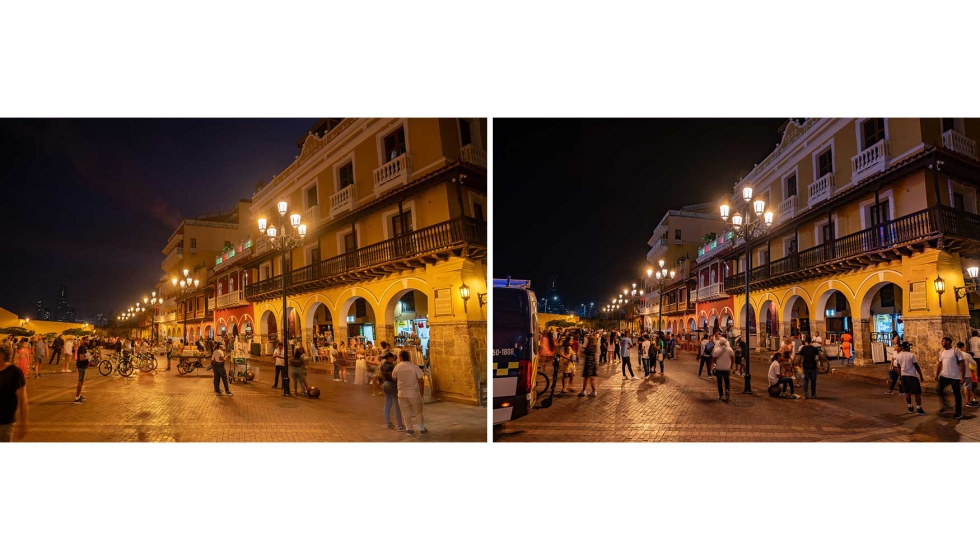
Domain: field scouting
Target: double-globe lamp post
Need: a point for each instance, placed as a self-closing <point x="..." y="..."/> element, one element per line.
<point x="662" y="276"/>
<point x="745" y="229"/>
<point x="186" y="286"/>
<point x="283" y="241"/>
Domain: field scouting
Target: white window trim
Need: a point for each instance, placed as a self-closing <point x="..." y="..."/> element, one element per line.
<point x="818" y="229"/>
<point x="306" y="192"/>
<point x="475" y="132"/>
<point x="476" y="199"/>
<point x="308" y="252"/>
<point x="966" y="190"/>
<point x="958" y="126"/>
<point x="336" y="170"/>
<point x="795" y="171"/>
<point x="379" y="139"/>
<point x="865" y="204"/>
<point x="858" y="132"/>
<point x="816" y="159"/>
<point x="340" y="238"/>
<point x="410" y="206"/>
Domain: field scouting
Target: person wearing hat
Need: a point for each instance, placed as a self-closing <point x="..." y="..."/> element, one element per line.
<point x="908" y="368"/>
<point x="390" y="388"/>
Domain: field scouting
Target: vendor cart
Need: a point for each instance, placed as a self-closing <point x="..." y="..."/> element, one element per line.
<point x="239" y="370"/>
<point x="189" y="361"/>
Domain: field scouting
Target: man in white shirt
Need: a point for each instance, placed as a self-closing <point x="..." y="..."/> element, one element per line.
<point x="817" y="339"/>
<point x="975" y="344"/>
<point x="969" y="385"/>
<point x="645" y="355"/>
<point x="411" y="384"/>
<point x="218" y="365"/>
<point x="280" y="356"/>
<point x="625" y="344"/>
<point x="722" y="359"/>
<point x="334" y="355"/>
<point x="951" y="371"/>
<point x="909" y="383"/>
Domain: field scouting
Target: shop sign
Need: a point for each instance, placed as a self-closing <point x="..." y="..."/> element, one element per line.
<point x="917" y="296"/>
<point x="444" y="302"/>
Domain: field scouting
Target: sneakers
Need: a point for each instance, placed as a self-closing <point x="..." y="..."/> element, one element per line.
<point x="911" y="410"/>
<point x="973" y="404"/>
<point x="275" y="386"/>
<point x="78" y="400"/>
<point x="919" y="411"/>
<point x="958" y="417"/>
<point x="400" y="428"/>
<point x="228" y="392"/>
<point x="423" y="431"/>
<point x="593" y="394"/>
<point x="217" y="393"/>
<point x="410" y="432"/>
<point x="889" y="392"/>
<point x="624" y="378"/>
<point x="582" y="394"/>
<point x="389" y="425"/>
<point x="632" y="378"/>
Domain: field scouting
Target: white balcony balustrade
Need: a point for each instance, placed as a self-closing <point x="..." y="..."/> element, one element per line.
<point x="311" y="216"/>
<point x="391" y="174"/>
<point x="872" y="160"/>
<point x="821" y="189"/>
<point x="471" y="154"/>
<point x="958" y="143"/>
<point x="342" y="200"/>
<point x="787" y="208"/>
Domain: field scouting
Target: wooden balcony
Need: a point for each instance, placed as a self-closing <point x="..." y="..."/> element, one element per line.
<point x="465" y="237"/>
<point x="939" y="226"/>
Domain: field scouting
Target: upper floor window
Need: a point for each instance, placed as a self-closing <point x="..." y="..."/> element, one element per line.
<point x="394" y="144"/>
<point x="825" y="163"/>
<point x="349" y="244"/>
<point x="193" y="243"/>
<point x="396" y="223"/>
<point x="948" y="124"/>
<point x="346" y="175"/>
<point x="677" y="234"/>
<point x="311" y="197"/>
<point x="478" y="211"/>
<point x="791" y="186"/>
<point x="874" y="132"/>
<point x="878" y="214"/>
<point x="465" y="135"/>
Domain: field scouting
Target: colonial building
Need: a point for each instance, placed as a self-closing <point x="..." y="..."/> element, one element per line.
<point x="875" y="225"/>
<point x="396" y="244"/>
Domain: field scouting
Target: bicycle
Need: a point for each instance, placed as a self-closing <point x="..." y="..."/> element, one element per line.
<point x="121" y="364"/>
<point x="146" y="362"/>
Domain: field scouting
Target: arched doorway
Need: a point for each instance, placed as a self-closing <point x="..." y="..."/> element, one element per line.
<point x="320" y="322"/>
<point x="796" y="314"/>
<point x="198" y="333"/>
<point x="408" y="313"/>
<point x="727" y="323"/>
<point x="210" y="332"/>
<point x="835" y="309"/>
<point x="883" y="305"/>
<point x="359" y="319"/>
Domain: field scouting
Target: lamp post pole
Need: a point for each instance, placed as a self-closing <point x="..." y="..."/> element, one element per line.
<point x="662" y="275"/>
<point x="284" y="242"/>
<point x="746" y="230"/>
<point x="186" y="285"/>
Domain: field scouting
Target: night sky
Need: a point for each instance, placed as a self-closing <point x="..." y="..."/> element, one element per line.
<point x="579" y="198"/>
<point x="91" y="202"/>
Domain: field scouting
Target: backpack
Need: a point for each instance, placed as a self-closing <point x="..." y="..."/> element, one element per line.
<point x="709" y="348"/>
<point x="652" y="352"/>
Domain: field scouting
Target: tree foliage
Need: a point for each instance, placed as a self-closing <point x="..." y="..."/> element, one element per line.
<point x="560" y="324"/>
<point x="16" y="331"/>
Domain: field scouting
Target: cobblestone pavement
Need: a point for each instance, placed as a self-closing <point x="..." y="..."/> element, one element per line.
<point x="684" y="407"/>
<point x="171" y="407"/>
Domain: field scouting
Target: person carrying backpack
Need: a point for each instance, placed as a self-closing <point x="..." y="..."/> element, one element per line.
<point x="707" y="347"/>
<point x="651" y="355"/>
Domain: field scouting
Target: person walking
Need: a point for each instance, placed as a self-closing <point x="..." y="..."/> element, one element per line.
<point x="722" y="360"/>
<point x="13" y="399"/>
<point x="846" y="348"/>
<point x="280" y="364"/>
<point x="40" y="353"/>
<point x="706" y="349"/>
<point x="298" y="367"/>
<point x="975" y="345"/>
<point x="590" y="369"/>
<point x="603" y="348"/>
<point x="950" y="371"/>
<point x="565" y="366"/>
<point x="909" y="384"/>
<point x="218" y="366"/>
<point x="23" y="357"/>
<point x="970" y="380"/>
<point x="335" y="361"/>
<point x="390" y="388"/>
<point x="56" y="348"/>
<point x="661" y="354"/>
<point x="808" y="354"/>
<point x="411" y="385"/>
<point x="645" y="346"/>
<point x="624" y="349"/>
<point x="68" y="349"/>
<point x="81" y="364"/>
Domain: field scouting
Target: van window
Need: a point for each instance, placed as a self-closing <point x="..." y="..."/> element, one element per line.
<point x="510" y="309"/>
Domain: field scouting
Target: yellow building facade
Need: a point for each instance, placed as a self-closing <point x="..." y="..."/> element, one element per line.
<point x="873" y="218"/>
<point x="395" y="250"/>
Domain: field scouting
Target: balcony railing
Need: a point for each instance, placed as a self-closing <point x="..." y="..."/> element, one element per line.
<point x="868" y="246"/>
<point x="956" y="142"/>
<point x="821" y="189"/>
<point x="471" y="154"/>
<point x="311" y="216"/>
<point x="650" y="310"/>
<point x="175" y="255"/>
<point x="787" y="208"/>
<point x="391" y="174"/>
<point x="342" y="200"/>
<point x="709" y="291"/>
<point x="242" y="255"/>
<point x="230" y="299"/>
<point x="262" y="245"/>
<point x="870" y="161"/>
<point x="440" y="237"/>
<point x="211" y="303"/>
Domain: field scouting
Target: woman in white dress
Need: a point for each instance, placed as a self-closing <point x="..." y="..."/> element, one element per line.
<point x="360" y="369"/>
<point x="68" y="350"/>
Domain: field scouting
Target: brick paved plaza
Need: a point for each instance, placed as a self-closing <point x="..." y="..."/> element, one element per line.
<point x="170" y="407"/>
<point x="686" y="408"/>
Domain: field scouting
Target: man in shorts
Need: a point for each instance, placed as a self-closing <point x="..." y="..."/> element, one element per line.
<point x="81" y="364"/>
<point x="951" y="371"/>
<point x="909" y="383"/>
<point x="970" y="379"/>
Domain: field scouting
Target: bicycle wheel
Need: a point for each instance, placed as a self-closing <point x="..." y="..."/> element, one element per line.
<point x="105" y="368"/>
<point x="144" y="365"/>
<point x="541" y="383"/>
<point x="184" y="368"/>
<point x="153" y="363"/>
<point x="823" y="365"/>
<point x="125" y="368"/>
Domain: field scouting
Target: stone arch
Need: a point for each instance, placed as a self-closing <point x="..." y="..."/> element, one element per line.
<point x="345" y="304"/>
<point x="750" y="322"/>
<point x="796" y="314"/>
<point x="873" y="304"/>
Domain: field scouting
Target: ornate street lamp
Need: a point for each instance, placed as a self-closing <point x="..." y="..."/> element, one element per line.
<point x="283" y="240"/>
<point x="186" y="285"/>
<point x="970" y="286"/>
<point x="662" y="276"/>
<point x="745" y="229"/>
